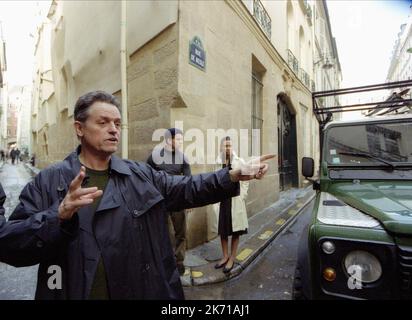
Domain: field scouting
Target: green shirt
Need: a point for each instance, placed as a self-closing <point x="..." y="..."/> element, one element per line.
<point x="99" y="289"/>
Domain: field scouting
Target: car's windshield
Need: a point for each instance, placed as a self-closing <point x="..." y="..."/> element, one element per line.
<point x="364" y="144"/>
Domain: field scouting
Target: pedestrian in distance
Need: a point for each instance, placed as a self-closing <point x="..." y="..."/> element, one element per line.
<point x="13" y="155"/>
<point x="101" y="220"/>
<point x="33" y="160"/>
<point x="17" y="155"/>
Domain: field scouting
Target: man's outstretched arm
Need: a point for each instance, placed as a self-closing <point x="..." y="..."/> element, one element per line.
<point x="199" y="190"/>
<point x="183" y="192"/>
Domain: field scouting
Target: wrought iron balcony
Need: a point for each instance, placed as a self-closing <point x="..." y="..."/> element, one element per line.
<point x="262" y="17"/>
<point x="293" y="62"/>
<point x="304" y="76"/>
<point x="299" y="72"/>
<point x="309" y="13"/>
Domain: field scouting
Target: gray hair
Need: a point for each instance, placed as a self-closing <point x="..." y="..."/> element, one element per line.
<point x="85" y="101"/>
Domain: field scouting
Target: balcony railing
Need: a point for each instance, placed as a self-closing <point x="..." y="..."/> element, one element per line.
<point x="262" y="17"/>
<point x="304" y="76"/>
<point x="299" y="72"/>
<point x="293" y="62"/>
<point x="307" y="10"/>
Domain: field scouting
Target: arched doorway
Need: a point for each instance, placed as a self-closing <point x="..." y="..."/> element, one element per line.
<point x="287" y="145"/>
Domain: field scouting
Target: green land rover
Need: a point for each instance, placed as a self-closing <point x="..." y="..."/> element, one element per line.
<point x="358" y="244"/>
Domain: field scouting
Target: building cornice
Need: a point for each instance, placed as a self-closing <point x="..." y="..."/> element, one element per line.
<point x="398" y="50"/>
<point x="241" y="10"/>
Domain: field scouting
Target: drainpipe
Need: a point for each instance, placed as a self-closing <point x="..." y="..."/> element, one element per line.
<point x="123" y="55"/>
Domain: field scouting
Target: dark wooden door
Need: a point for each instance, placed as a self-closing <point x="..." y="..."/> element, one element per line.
<point x="287" y="147"/>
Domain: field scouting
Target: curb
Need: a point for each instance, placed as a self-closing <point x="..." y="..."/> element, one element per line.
<point x="251" y="248"/>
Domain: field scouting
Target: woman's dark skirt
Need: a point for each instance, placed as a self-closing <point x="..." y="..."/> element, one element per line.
<point x="225" y="220"/>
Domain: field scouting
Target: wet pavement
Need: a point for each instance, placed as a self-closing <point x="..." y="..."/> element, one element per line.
<point x="264" y="227"/>
<point x="15" y="283"/>
<point x="269" y="277"/>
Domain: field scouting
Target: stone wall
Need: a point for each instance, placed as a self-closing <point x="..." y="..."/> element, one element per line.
<point x="152" y="85"/>
<point x="220" y="96"/>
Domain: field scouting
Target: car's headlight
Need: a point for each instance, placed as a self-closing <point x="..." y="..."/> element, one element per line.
<point x="328" y="247"/>
<point x="363" y="266"/>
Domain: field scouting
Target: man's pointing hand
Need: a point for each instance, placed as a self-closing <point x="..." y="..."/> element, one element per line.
<point x="254" y="169"/>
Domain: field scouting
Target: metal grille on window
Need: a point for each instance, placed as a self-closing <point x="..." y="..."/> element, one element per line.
<point x="257" y="117"/>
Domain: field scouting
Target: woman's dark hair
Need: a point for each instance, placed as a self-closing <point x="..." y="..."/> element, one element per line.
<point x="227" y="138"/>
<point x="85" y="101"/>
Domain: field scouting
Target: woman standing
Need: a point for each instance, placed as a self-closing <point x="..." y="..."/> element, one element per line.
<point x="232" y="212"/>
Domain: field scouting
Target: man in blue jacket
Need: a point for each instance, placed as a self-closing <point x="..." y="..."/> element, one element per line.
<point x="97" y="224"/>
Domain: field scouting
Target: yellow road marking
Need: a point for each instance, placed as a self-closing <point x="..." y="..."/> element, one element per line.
<point x="280" y="222"/>
<point x="197" y="274"/>
<point x="265" y="235"/>
<point x="244" y="254"/>
<point x="292" y="212"/>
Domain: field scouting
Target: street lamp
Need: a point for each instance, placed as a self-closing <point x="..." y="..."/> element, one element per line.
<point x="326" y="62"/>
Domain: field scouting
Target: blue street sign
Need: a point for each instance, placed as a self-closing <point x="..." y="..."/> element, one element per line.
<point x="197" y="55"/>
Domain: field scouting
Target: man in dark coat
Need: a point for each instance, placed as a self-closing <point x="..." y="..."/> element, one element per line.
<point x="173" y="161"/>
<point x="96" y="224"/>
<point x="17" y="153"/>
<point x="13" y="154"/>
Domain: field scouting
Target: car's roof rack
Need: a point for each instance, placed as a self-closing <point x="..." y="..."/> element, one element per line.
<point x="391" y="104"/>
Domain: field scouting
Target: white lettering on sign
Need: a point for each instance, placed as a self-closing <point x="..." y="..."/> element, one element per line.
<point x="200" y="62"/>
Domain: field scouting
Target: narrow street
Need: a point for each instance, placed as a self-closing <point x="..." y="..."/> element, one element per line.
<point x="15" y="283"/>
<point x="269" y="277"/>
